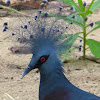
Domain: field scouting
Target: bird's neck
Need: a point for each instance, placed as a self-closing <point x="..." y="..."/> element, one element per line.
<point x="50" y="81"/>
<point x="55" y="75"/>
<point x="52" y="71"/>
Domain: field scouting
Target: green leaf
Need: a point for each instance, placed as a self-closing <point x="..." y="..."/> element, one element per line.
<point x="78" y="18"/>
<point x="95" y="5"/>
<point x="63" y="36"/>
<point x="68" y="19"/>
<point x="84" y="14"/>
<point x="81" y="5"/>
<point x="95" y="28"/>
<point x="88" y="10"/>
<point x="94" y="47"/>
<point x="66" y="55"/>
<point x="67" y="44"/>
<point x="97" y="22"/>
<point x="72" y="4"/>
<point x="91" y="4"/>
<point x="69" y="2"/>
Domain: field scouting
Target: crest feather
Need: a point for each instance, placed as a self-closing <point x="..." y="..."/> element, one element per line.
<point x="43" y="31"/>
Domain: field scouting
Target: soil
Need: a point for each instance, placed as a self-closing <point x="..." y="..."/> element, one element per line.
<point x="83" y="74"/>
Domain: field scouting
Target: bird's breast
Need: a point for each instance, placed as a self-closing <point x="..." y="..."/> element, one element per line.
<point x="57" y="94"/>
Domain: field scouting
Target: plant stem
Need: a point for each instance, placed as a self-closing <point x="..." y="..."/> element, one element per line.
<point x="11" y="9"/>
<point x="84" y="40"/>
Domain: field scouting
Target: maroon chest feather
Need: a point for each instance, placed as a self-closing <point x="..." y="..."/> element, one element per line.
<point x="58" y="94"/>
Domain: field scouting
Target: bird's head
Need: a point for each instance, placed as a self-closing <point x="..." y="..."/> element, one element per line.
<point x="44" y="52"/>
<point x="47" y="41"/>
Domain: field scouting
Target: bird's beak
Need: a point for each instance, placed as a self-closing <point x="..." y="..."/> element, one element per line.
<point x="30" y="67"/>
<point x="27" y="70"/>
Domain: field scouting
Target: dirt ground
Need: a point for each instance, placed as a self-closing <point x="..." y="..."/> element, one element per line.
<point x="83" y="74"/>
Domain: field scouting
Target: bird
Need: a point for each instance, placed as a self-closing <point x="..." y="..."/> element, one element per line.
<point x="46" y="44"/>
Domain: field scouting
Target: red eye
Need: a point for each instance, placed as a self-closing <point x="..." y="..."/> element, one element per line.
<point x="43" y="59"/>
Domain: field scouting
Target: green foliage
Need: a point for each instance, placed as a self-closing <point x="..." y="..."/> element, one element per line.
<point x="94" y="47"/>
<point x="81" y="5"/>
<point x="72" y="4"/>
<point x="82" y="13"/>
<point x="66" y="55"/>
<point x="95" y="28"/>
<point x="95" y="5"/>
<point x="68" y="43"/>
<point x="69" y="19"/>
